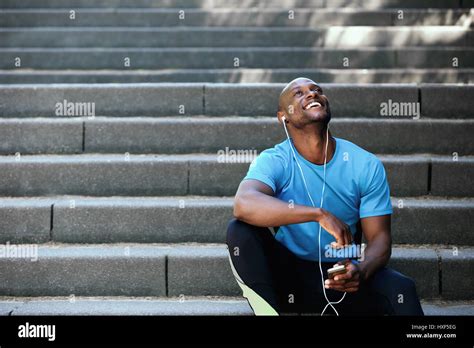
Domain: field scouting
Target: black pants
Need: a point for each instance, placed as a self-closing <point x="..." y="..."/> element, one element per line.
<point x="291" y="285"/>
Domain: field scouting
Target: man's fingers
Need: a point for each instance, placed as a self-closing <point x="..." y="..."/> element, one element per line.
<point x="348" y="287"/>
<point x="349" y="233"/>
<point x="332" y="282"/>
<point x="351" y="274"/>
<point x="344" y="240"/>
<point x="343" y="283"/>
<point x="343" y="288"/>
<point x="343" y="276"/>
<point x="349" y="236"/>
<point x="351" y="289"/>
<point x="334" y="286"/>
<point x="351" y="285"/>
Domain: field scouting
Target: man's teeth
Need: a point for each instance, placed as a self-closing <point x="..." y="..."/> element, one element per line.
<point x="310" y="105"/>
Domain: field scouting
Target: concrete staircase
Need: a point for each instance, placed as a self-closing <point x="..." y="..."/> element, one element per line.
<point x="128" y="207"/>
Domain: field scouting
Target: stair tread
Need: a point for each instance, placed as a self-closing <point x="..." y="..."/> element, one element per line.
<point x="160" y="71"/>
<point x="185" y="305"/>
<point x="67" y="250"/>
<point x="229" y="119"/>
<point x="97" y="157"/>
<point x="419" y="200"/>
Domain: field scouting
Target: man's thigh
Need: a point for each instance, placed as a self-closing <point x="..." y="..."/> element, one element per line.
<point x="264" y="265"/>
<point x="312" y="299"/>
<point x="288" y="285"/>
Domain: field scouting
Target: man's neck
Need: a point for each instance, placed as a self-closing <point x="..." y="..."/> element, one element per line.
<point x="311" y="144"/>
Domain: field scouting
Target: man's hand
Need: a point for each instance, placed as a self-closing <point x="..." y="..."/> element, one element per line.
<point x="348" y="281"/>
<point x="336" y="228"/>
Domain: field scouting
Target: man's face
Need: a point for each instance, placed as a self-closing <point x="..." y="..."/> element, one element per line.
<point x="305" y="103"/>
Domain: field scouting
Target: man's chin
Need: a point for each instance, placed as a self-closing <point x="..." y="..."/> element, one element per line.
<point x="317" y="116"/>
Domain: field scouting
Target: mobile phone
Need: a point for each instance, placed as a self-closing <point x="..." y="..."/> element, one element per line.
<point x="339" y="269"/>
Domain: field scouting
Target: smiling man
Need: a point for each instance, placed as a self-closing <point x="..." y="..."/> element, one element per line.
<point x="273" y="241"/>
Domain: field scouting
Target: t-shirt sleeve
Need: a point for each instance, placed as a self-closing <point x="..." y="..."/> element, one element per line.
<point x="375" y="192"/>
<point x="267" y="168"/>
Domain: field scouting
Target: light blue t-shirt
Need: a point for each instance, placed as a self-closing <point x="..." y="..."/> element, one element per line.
<point x="356" y="187"/>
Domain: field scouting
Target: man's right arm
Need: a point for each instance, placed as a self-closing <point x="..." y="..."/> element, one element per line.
<point x="255" y="204"/>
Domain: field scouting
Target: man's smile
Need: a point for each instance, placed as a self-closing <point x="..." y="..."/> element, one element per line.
<point x="313" y="104"/>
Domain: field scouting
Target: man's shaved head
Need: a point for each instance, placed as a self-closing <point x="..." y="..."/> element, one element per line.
<point x="282" y="101"/>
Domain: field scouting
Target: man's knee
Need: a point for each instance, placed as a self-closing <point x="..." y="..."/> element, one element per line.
<point x="239" y="232"/>
<point x="403" y="284"/>
<point x="393" y="284"/>
<point x="406" y="284"/>
<point x="249" y="239"/>
<point x="399" y="290"/>
<point x="235" y="229"/>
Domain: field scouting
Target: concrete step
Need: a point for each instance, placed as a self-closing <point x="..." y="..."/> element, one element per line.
<point x="171" y="135"/>
<point x="22" y="76"/>
<point x="185" y="99"/>
<point x="248" y="57"/>
<point x="201" y="174"/>
<point x="371" y="4"/>
<point x="195" y="270"/>
<point x="167" y="135"/>
<point x="198" y="219"/>
<point x="453" y="308"/>
<point x="333" y="37"/>
<point x="184" y="305"/>
<point x="248" y="17"/>
<point x="42" y="135"/>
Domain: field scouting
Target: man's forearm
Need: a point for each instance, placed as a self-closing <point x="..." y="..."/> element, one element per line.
<point x="266" y="211"/>
<point x="376" y="255"/>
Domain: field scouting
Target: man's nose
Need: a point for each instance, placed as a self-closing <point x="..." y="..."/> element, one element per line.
<point x="311" y="94"/>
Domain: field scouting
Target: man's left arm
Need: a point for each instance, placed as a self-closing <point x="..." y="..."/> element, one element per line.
<point x="377" y="232"/>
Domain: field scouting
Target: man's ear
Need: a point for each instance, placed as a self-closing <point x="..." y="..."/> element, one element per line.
<point x="280" y="115"/>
